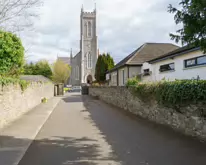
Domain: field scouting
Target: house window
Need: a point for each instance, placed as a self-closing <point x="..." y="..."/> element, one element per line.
<point x="146" y="72"/>
<point x="89" y="29"/>
<point x="195" y="61"/>
<point x="167" y="67"/>
<point x="89" y="61"/>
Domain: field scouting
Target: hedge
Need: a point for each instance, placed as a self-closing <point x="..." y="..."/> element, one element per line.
<point x="173" y="92"/>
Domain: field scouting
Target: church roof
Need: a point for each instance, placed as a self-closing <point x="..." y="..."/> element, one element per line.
<point x="146" y="52"/>
<point x="65" y="60"/>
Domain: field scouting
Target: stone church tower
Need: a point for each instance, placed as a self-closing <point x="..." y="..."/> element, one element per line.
<point x="83" y="64"/>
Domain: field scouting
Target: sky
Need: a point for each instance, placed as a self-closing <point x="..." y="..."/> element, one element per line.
<point x="122" y="26"/>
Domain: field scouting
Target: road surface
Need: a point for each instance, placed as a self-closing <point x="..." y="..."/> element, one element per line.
<point x="85" y="131"/>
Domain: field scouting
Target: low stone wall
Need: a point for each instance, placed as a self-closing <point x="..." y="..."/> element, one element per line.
<point x="14" y="102"/>
<point x="186" y="119"/>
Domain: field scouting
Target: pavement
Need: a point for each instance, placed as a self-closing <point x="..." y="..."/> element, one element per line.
<point x="85" y="131"/>
<point x="16" y="138"/>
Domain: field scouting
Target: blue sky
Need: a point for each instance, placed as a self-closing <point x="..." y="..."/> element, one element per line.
<point x="123" y="25"/>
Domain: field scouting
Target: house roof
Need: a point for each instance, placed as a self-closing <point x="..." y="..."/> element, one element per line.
<point x="177" y="52"/>
<point x="65" y="59"/>
<point x="146" y="52"/>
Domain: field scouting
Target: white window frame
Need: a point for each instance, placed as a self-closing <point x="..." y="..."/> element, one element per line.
<point x="89" y="60"/>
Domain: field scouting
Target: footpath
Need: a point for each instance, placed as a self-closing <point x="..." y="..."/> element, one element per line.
<point x="16" y="138"/>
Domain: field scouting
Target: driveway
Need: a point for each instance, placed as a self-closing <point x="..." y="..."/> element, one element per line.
<point x="85" y="131"/>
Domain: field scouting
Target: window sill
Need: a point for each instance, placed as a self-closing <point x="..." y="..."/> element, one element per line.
<point x="169" y="71"/>
<point x="193" y="67"/>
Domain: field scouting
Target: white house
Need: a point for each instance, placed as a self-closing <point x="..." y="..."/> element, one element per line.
<point x="183" y="63"/>
<point x="131" y="65"/>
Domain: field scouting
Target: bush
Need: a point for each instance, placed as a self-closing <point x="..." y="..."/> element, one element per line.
<point x="132" y="82"/>
<point x="11" y="54"/>
<point x="174" y="92"/>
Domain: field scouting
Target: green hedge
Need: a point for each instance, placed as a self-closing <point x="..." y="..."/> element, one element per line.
<point x="173" y="92"/>
<point x="4" y="81"/>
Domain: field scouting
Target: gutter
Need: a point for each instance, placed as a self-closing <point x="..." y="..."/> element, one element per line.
<point x="172" y="55"/>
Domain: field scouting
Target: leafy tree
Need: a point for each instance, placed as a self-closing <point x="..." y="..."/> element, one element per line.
<point x="40" y="68"/>
<point x="61" y="72"/>
<point x="11" y="54"/>
<point x="104" y="63"/>
<point x="193" y="17"/>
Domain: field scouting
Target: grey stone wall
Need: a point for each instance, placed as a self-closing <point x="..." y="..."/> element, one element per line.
<point x="14" y="102"/>
<point x="186" y="120"/>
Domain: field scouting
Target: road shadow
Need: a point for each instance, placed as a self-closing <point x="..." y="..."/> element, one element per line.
<point x="139" y="141"/>
<point x="54" y="151"/>
<point x="72" y="99"/>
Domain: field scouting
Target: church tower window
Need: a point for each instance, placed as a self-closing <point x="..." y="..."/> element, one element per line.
<point x="89" y="29"/>
<point x="89" y="61"/>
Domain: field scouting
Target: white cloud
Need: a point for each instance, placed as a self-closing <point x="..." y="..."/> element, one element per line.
<point x="122" y="27"/>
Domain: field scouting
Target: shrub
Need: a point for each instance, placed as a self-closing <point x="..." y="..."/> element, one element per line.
<point x="11" y="54"/>
<point x="132" y="82"/>
<point x="95" y="84"/>
<point x="174" y="92"/>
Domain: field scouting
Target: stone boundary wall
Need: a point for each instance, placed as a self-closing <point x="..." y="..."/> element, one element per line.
<point x="14" y="102"/>
<point x="185" y="120"/>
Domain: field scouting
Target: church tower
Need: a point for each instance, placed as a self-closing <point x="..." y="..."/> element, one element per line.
<point x="88" y="46"/>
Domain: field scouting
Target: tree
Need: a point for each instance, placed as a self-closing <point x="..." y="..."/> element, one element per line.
<point x="193" y="17"/>
<point x="104" y="63"/>
<point x="40" y="68"/>
<point x="15" y="15"/>
<point x="61" y="72"/>
<point x="11" y="54"/>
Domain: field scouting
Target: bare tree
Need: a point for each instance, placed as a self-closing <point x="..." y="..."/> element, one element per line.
<point x="16" y="15"/>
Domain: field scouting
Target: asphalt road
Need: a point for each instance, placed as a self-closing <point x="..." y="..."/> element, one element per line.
<point x="85" y="131"/>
